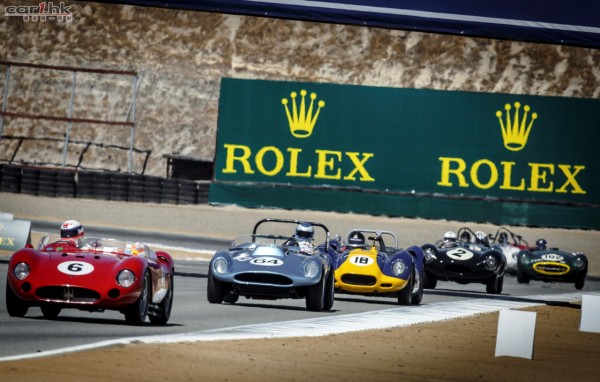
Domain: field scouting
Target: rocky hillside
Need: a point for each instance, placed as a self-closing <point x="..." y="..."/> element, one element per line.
<point x="180" y="57"/>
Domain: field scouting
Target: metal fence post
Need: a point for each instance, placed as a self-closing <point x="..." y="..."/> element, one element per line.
<point x="68" y="133"/>
<point x="132" y="134"/>
<point x="4" y="100"/>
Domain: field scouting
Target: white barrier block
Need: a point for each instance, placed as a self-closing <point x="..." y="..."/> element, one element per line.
<point x="516" y="331"/>
<point x="590" y="313"/>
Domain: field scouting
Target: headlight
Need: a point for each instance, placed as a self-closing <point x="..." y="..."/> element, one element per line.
<point x="311" y="269"/>
<point x="21" y="271"/>
<point x="220" y="265"/>
<point x="125" y="278"/>
<point x="398" y="267"/>
<point x="430" y="256"/>
<point x="490" y="262"/>
<point x="579" y="262"/>
<point x="525" y="260"/>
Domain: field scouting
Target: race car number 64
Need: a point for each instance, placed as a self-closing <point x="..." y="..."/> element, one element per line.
<point x="76" y="268"/>
<point x="266" y="261"/>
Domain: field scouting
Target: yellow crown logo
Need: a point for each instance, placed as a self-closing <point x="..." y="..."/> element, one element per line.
<point x="516" y="132"/>
<point x="302" y="121"/>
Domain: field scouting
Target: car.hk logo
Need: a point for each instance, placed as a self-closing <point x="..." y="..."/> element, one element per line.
<point x="300" y="120"/>
<point x="515" y="131"/>
<point x="45" y="11"/>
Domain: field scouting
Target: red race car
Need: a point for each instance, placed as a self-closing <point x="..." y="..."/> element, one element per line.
<point x="91" y="274"/>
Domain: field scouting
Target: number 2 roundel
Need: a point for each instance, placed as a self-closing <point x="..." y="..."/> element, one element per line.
<point x="459" y="254"/>
<point x="76" y="268"/>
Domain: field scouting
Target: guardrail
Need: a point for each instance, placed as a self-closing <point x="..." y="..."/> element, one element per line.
<point x="101" y="185"/>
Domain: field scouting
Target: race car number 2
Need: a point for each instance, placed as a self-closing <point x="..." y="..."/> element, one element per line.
<point x="266" y="261"/>
<point x="76" y="268"/>
<point x="459" y="254"/>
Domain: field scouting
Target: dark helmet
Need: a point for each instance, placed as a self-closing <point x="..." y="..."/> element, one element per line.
<point x="71" y="229"/>
<point x="541" y="244"/>
<point x="503" y="238"/>
<point x="305" y="231"/>
<point x="465" y="236"/>
<point x="356" y="239"/>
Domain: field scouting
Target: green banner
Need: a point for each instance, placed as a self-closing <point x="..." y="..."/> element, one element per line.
<point x="430" y="143"/>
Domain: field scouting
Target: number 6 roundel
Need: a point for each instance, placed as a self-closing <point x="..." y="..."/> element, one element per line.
<point x="76" y="268"/>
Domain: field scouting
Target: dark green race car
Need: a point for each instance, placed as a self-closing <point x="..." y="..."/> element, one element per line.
<point x="551" y="264"/>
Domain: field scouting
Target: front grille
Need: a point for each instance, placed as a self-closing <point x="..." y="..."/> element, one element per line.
<point x="553" y="269"/>
<point x="67" y="294"/>
<point x="263" y="278"/>
<point x="349" y="278"/>
<point x="458" y="268"/>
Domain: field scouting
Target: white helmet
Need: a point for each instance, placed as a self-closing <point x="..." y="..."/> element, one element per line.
<point x="481" y="237"/>
<point x="449" y="237"/>
<point x="305" y="231"/>
<point x="71" y="229"/>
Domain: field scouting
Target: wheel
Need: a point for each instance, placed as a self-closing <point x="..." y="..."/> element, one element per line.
<point x="494" y="284"/>
<point x="50" y="311"/>
<point x="231" y="298"/>
<point x="165" y="306"/>
<point x="580" y="281"/>
<point x="430" y="281"/>
<point x="136" y="312"/>
<point x="214" y="290"/>
<point x="418" y="289"/>
<point x="14" y="305"/>
<point x="315" y="298"/>
<point x="522" y="278"/>
<point x="405" y="295"/>
<point x="329" y="292"/>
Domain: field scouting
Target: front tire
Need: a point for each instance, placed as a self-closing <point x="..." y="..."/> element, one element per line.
<point x="580" y="281"/>
<point x="329" y="293"/>
<point x="419" y="281"/>
<point x="50" y="311"/>
<point x="494" y="284"/>
<point x="315" y="298"/>
<point x="165" y="306"/>
<point x="14" y="305"/>
<point x="136" y="312"/>
<point x="215" y="292"/>
<point x="430" y="281"/>
<point x="405" y="295"/>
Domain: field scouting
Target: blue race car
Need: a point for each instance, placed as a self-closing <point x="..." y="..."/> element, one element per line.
<point x="275" y="265"/>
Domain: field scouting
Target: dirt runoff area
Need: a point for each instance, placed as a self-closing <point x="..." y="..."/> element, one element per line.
<point x="454" y="350"/>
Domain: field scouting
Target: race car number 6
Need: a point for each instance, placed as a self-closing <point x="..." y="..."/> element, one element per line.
<point x="75" y="268"/>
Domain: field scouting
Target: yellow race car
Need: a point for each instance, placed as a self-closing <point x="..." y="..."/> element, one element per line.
<point x="370" y="262"/>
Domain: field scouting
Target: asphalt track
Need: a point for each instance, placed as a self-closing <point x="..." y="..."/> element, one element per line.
<point x="193" y="318"/>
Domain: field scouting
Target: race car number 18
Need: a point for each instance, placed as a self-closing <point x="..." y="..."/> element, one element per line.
<point x="361" y="261"/>
<point x="76" y="268"/>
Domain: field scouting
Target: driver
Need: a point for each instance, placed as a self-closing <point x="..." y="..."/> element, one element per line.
<point x="304" y="236"/>
<point x="481" y="238"/>
<point x="356" y="240"/>
<point x="71" y="233"/>
<point x="541" y="244"/>
<point x="71" y="229"/>
<point x="449" y="240"/>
